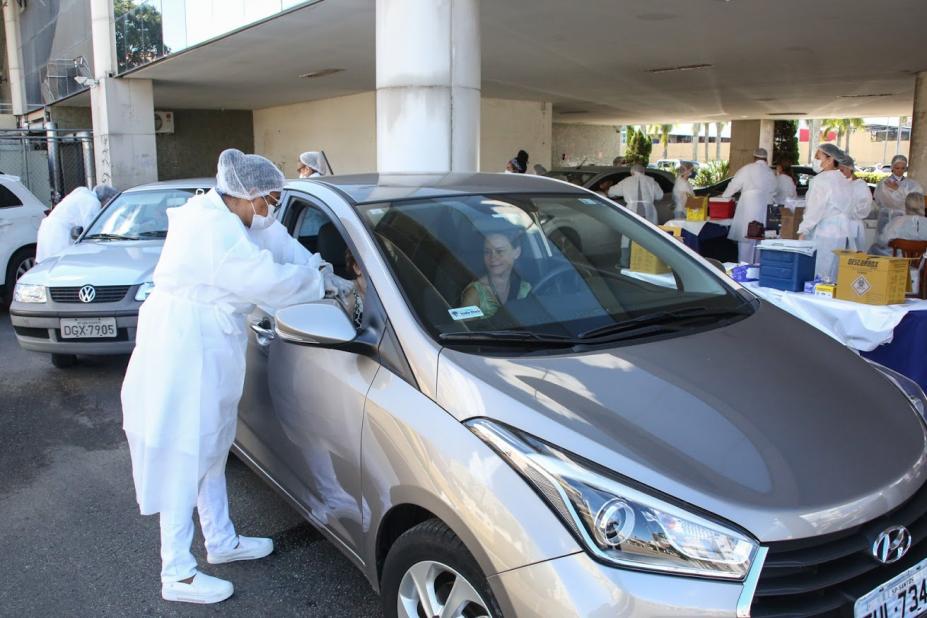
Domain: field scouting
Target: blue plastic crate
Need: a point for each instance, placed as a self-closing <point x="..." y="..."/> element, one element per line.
<point x="785" y="270"/>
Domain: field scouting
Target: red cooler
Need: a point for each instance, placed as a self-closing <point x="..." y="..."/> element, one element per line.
<point x="720" y="208"/>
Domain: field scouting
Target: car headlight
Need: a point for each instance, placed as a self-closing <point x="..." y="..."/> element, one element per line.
<point x="906" y="385"/>
<point x="143" y="291"/>
<point x="616" y="521"/>
<point x="28" y="293"/>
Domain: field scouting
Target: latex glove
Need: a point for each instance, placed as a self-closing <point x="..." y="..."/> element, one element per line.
<point x="336" y="286"/>
<point x="326" y="268"/>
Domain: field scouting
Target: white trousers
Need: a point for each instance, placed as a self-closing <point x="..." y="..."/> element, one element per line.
<point x="212" y="505"/>
<point x="745" y="251"/>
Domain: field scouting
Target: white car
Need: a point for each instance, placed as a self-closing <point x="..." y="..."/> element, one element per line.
<point x="86" y="299"/>
<point x="20" y="215"/>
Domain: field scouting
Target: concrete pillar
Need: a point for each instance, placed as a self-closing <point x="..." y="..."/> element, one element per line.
<point x="917" y="157"/>
<point x="122" y="110"/>
<point x="747" y="136"/>
<point x="14" y="57"/>
<point x="428" y="86"/>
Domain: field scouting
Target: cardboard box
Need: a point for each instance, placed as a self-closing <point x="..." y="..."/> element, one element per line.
<point x="790" y="220"/>
<point x="675" y="232"/>
<point x="871" y="279"/>
<point x="643" y="261"/>
<point x="721" y="208"/>
<point x="697" y="208"/>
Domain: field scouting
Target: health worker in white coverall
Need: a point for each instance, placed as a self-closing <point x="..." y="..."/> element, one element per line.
<point x="224" y="254"/>
<point x="77" y="209"/>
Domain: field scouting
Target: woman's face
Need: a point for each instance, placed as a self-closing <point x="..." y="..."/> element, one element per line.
<point x="499" y="255"/>
<point x="827" y="162"/>
<point x="899" y="168"/>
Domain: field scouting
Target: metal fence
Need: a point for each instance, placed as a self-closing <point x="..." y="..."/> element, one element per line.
<point x="51" y="163"/>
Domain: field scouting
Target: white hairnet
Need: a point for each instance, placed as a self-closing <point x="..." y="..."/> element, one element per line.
<point x="847" y="161"/>
<point x="637" y="168"/>
<point x="898" y="158"/>
<point x="316" y="161"/>
<point x="247" y="176"/>
<point x="104" y="193"/>
<point x="832" y="151"/>
<point x="914" y="203"/>
<point x="760" y="153"/>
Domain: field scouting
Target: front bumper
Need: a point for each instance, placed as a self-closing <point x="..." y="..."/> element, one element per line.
<point x="37" y="327"/>
<point x="576" y="585"/>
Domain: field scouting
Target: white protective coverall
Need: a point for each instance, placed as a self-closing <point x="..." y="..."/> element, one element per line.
<point x="828" y="209"/>
<point x="756" y="184"/>
<point x="682" y="189"/>
<point x="77" y="209"/>
<point x="861" y="198"/>
<point x="906" y="227"/>
<point x="785" y="189"/>
<point x="184" y="380"/>
<point x="891" y="201"/>
<point x="639" y="192"/>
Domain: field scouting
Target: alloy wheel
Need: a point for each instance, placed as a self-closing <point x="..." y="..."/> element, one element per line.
<point x="24" y="266"/>
<point x="430" y="589"/>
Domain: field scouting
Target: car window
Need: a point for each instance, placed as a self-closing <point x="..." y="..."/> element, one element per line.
<point x="8" y="199"/>
<point x="554" y="264"/>
<point x="573" y="177"/>
<point x="138" y="214"/>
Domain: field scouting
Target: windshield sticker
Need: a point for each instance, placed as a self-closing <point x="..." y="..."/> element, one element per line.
<point x="588" y="201"/>
<point x="465" y="313"/>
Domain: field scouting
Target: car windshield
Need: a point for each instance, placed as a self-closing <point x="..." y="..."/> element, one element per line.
<point x="573" y="177"/>
<point x="549" y="269"/>
<point x="137" y="214"/>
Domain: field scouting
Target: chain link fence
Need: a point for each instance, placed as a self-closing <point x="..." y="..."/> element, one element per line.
<point x="49" y="162"/>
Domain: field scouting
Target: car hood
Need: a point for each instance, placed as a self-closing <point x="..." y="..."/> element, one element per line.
<point x="766" y="422"/>
<point x="123" y="262"/>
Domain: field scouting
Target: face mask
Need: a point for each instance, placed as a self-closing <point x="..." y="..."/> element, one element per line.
<point x="260" y="222"/>
<point x="897" y="178"/>
<point x="816" y="166"/>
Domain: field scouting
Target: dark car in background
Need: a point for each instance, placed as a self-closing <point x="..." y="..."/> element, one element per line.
<point x="803" y="175"/>
<point x="591" y="176"/>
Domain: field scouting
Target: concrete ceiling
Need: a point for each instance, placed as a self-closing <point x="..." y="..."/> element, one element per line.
<point x="592" y="59"/>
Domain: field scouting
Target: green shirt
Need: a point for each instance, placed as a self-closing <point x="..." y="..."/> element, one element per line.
<point x="488" y="303"/>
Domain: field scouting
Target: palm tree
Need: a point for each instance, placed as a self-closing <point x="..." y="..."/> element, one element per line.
<point x="663" y="132"/>
<point x="844" y="127"/>
<point x="902" y="120"/>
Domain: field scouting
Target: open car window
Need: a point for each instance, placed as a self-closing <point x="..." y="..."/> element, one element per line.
<point x="560" y="265"/>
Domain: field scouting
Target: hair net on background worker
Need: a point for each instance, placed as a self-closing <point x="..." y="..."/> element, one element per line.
<point x="898" y="158"/>
<point x="104" y="193"/>
<point x="760" y="153"/>
<point x="914" y="203"/>
<point x="847" y="161"/>
<point x="247" y="176"/>
<point x="637" y="168"/>
<point x="314" y="160"/>
<point x="833" y="152"/>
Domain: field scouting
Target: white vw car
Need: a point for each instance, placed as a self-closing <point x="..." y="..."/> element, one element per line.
<point x="86" y="300"/>
<point x="20" y="216"/>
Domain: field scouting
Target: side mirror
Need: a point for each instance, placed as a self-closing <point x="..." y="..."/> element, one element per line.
<point x="320" y="323"/>
<point x="76" y="232"/>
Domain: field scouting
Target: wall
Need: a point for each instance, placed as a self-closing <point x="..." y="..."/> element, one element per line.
<point x="69" y="117"/>
<point x="747" y="136"/>
<point x="199" y="136"/>
<point x="345" y="128"/>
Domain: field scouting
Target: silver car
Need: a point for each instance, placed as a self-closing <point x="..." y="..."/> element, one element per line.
<point x="611" y="441"/>
<point x="86" y="300"/>
<point x="592" y="176"/>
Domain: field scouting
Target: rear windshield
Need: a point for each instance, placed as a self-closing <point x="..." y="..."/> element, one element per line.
<point x="555" y="264"/>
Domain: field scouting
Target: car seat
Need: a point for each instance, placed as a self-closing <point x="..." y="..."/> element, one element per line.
<point x="332" y="248"/>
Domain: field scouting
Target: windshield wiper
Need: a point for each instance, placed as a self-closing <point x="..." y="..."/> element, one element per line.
<point x="153" y="234"/>
<point x="661" y="320"/>
<point x="507" y="337"/>
<point x="109" y="237"/>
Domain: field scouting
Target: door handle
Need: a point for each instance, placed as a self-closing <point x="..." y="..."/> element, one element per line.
<point x="264" y="331"/>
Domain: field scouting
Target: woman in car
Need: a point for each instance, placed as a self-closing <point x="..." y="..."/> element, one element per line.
<point x="500" y="284"/>
<point x="351" y="296"/>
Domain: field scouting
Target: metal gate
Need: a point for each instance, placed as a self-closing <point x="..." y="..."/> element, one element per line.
<point x="50" y="162"/>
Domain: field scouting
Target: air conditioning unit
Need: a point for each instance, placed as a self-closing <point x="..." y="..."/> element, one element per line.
<point x="164" y="122"/>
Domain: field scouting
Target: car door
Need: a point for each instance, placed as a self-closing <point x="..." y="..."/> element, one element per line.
<point x="19" y="223"/>
<point x="303" y="408"/>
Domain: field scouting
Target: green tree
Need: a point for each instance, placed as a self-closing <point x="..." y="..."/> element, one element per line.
<point x="139" y="35"/>
<point x="785" y="141"/>
<point x="639" y="147"/>
<point x="712" y="173"/>
<point x="661" y="131"/>
<point x="843" y="127"/>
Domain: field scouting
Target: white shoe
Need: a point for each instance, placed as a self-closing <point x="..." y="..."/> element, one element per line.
<point x="249" y="548"/>
<point x="203" y="589"/>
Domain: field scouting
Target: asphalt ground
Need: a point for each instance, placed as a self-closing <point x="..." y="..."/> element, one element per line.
<point x="72" y="542"/>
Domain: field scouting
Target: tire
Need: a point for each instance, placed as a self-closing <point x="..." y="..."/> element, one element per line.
<point x="22" y="260"/>
<point x="63" y="361"/>
<point x="441" y="560"/>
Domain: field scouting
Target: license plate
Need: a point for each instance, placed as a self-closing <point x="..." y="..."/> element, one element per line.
<point x="88" y="328"/>
<point x="904" y="596"/>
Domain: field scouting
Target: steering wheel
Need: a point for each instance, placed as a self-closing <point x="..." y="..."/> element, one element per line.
<point x="558" y="272"/>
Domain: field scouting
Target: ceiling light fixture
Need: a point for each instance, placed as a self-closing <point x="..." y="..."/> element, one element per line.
<point x="321" y="73"/>
<point x="686" y="67"/>
<point x="572" y="111"/>
<point x="787" y="114"/>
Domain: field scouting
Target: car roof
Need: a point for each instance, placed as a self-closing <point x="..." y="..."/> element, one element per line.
<point x="181" y="183"/>
<point x="370" y="188"/>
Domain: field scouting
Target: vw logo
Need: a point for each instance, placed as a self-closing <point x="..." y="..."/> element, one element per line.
<point x="892" y="544"/>
<point x="87" y="294"/>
